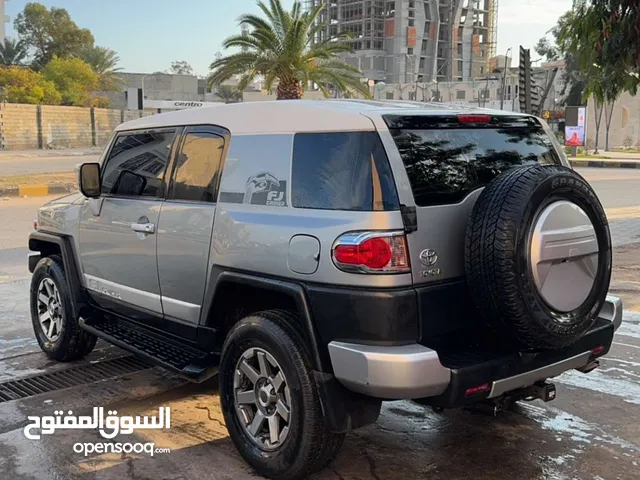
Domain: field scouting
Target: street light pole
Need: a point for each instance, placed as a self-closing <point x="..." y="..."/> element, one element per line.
<point x="504" y="78"/>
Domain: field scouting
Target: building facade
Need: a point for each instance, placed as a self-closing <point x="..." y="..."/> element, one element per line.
<point x="403" y="41"/>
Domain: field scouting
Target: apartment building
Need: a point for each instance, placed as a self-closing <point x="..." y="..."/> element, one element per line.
<point x="404" y="41"/>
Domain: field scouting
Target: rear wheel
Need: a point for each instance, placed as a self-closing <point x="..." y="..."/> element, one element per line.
<point x="54" y="322"/>
<point x="270" y="400"/>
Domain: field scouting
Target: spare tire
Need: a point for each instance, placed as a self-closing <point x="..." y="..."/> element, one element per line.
<point x="538" y="256"/>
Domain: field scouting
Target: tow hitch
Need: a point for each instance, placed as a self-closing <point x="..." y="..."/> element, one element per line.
<point x="545" y="391"/>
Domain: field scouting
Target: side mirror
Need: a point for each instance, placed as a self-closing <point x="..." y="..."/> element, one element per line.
<point x="89" y="179"/>
<point x="130" y="184"/>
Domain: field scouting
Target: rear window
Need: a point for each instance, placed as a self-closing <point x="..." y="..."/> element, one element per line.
<point x="342" y="171"/>
<point x="446" y="160"/>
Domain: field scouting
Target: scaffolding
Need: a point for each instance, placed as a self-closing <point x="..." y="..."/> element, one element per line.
<point x="493" y="28"/>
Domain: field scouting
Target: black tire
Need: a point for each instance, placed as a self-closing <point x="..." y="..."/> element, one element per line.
<point x="72" y="343"/>
<point x="309" y="445"/>
<point x="497" y="249"/>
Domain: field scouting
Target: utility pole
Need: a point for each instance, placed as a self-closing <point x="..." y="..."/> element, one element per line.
<point x="504" y="79"/>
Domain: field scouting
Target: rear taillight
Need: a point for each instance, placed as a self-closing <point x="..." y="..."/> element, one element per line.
<point x="474" y="118"/>
<point x="371" y="252"/>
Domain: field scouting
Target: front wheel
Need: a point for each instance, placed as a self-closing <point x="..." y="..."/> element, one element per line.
<point x="54" y="323"/>
<point x="270" y="400"/>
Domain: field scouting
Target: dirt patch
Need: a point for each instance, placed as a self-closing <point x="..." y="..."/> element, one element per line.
<point x="625" y="281"/>
<point x="38" y="179"/>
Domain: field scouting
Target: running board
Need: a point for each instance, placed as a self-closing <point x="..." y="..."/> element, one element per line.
<point x="191" y="363"/>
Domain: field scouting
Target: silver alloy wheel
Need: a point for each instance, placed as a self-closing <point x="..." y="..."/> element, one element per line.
<point x="262" y="398"/>
<point x="564" y="255"/>
<point x="50" y="309"/>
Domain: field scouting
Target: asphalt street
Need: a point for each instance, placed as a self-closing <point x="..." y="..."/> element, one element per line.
<point x="45" y="161"/>
<point x="590" y="431"/>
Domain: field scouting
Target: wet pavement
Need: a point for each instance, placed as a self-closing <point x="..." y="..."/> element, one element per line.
<point x="591" y="431"/>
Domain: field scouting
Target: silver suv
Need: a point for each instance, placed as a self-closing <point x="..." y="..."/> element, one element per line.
<point x="323" y="257"/>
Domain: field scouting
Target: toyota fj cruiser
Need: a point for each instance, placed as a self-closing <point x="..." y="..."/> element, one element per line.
<point x="322" y="257"/>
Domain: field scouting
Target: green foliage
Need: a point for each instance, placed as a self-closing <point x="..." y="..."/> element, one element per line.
<point x="280" y="47"/>
<point x="104" y="62"/>
<point x="228" y="93"/>
<point x="74" y="78"/>
<point x="51" y="33"/>
<point x="23" y="85"/>
<point x="181" y="68"/>
<point x="100" y="102"/>
<point x="604" y="37"/>
<point x="574" y="81"/>
<point x="13" y="52"/>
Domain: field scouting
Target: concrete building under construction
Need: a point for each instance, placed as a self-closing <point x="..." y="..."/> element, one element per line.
<point x="405" y="41"/>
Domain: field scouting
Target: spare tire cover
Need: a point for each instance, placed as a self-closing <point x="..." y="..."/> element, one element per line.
<point x="538" y="256"/>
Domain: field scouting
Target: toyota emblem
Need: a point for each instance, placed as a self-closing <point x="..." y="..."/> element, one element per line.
<point x="428" y="257"/>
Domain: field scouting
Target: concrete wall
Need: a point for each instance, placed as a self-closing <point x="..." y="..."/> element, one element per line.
<point x="19" y="126"/>
<point x="625" y="123"/>
<point x="24" y="127"/>
<point x="66" y="127"/>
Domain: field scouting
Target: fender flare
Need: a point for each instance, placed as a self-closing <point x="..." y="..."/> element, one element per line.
<point x="38" y="242"/>
<point x="294" y="290"/>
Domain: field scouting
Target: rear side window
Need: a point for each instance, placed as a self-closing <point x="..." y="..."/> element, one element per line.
<point x="342" y="171"/>
<point x="446" y="161"/>
<point x="198" y="167"/>
<point x="137" y="163"/>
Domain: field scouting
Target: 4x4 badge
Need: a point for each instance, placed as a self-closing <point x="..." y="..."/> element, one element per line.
<point x="428" y="257"/>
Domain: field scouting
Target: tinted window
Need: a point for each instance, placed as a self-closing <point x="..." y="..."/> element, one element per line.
<point x="137" y="164"/>
<point x="342" y="171"/>
<point x="198" y="168"/>
<point x="444" y="165"/>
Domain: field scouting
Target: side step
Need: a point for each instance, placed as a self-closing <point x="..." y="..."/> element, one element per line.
<point x="174" y="355"/>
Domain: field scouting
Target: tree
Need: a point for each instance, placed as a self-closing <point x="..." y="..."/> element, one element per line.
<point x="74" y="78"/>
<point x="573" y="80"/>
<point x="23" y="85"/>
<point x="282" y="48"/>
<point x="181" y="68"/>
<point x="605" y="34"/>
<point x="13" y="52"/>
<point x="228" y="93"/>
<point x="105" y="63"/>
<point x="51" y="33"/>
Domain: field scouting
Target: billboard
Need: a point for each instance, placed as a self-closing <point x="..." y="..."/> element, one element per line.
<point x="574" y="131"/>
<point x="574" y="136"/>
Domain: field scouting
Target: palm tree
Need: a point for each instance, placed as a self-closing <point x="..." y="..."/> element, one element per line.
<point x="13" y="52"/>
<point x="228" y="93"/>
<point x="282" y="49"/>
<point x="104" y="61"/>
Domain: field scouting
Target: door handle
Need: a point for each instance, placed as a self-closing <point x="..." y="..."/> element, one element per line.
<point x="143" y="227"/>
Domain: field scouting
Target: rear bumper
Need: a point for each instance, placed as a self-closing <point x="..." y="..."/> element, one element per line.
<point x="418" y="372"/>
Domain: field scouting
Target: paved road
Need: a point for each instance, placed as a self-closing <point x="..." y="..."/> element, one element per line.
<point x="45" y="161"/>
<point x="589" y="432"/>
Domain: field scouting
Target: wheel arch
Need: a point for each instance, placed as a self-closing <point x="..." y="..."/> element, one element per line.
<point x="234" y="295"/>
<point x="48" y="244"/>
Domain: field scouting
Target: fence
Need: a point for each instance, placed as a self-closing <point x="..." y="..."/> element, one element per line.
<point x="24" y="127"/>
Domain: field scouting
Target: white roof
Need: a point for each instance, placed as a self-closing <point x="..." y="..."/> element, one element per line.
<point x="288" y="116"/>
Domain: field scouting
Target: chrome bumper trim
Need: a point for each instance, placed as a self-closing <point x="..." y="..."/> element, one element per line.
<point x="529" y="378"/>
<point x="402" y="372"/>
<point x="612" y="311"/>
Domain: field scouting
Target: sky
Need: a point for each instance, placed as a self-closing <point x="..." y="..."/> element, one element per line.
<point x="149" y="34"/>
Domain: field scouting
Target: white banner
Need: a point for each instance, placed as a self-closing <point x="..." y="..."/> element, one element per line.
<point x="176" y="104"/>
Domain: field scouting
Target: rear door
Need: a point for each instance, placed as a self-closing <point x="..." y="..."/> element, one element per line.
<point x="186" y="223"/>
<point x="447" y="161"/>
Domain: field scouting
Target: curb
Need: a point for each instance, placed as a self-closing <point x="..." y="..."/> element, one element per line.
<point x="41" y="190"/>
<point x="605" y="164"/>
